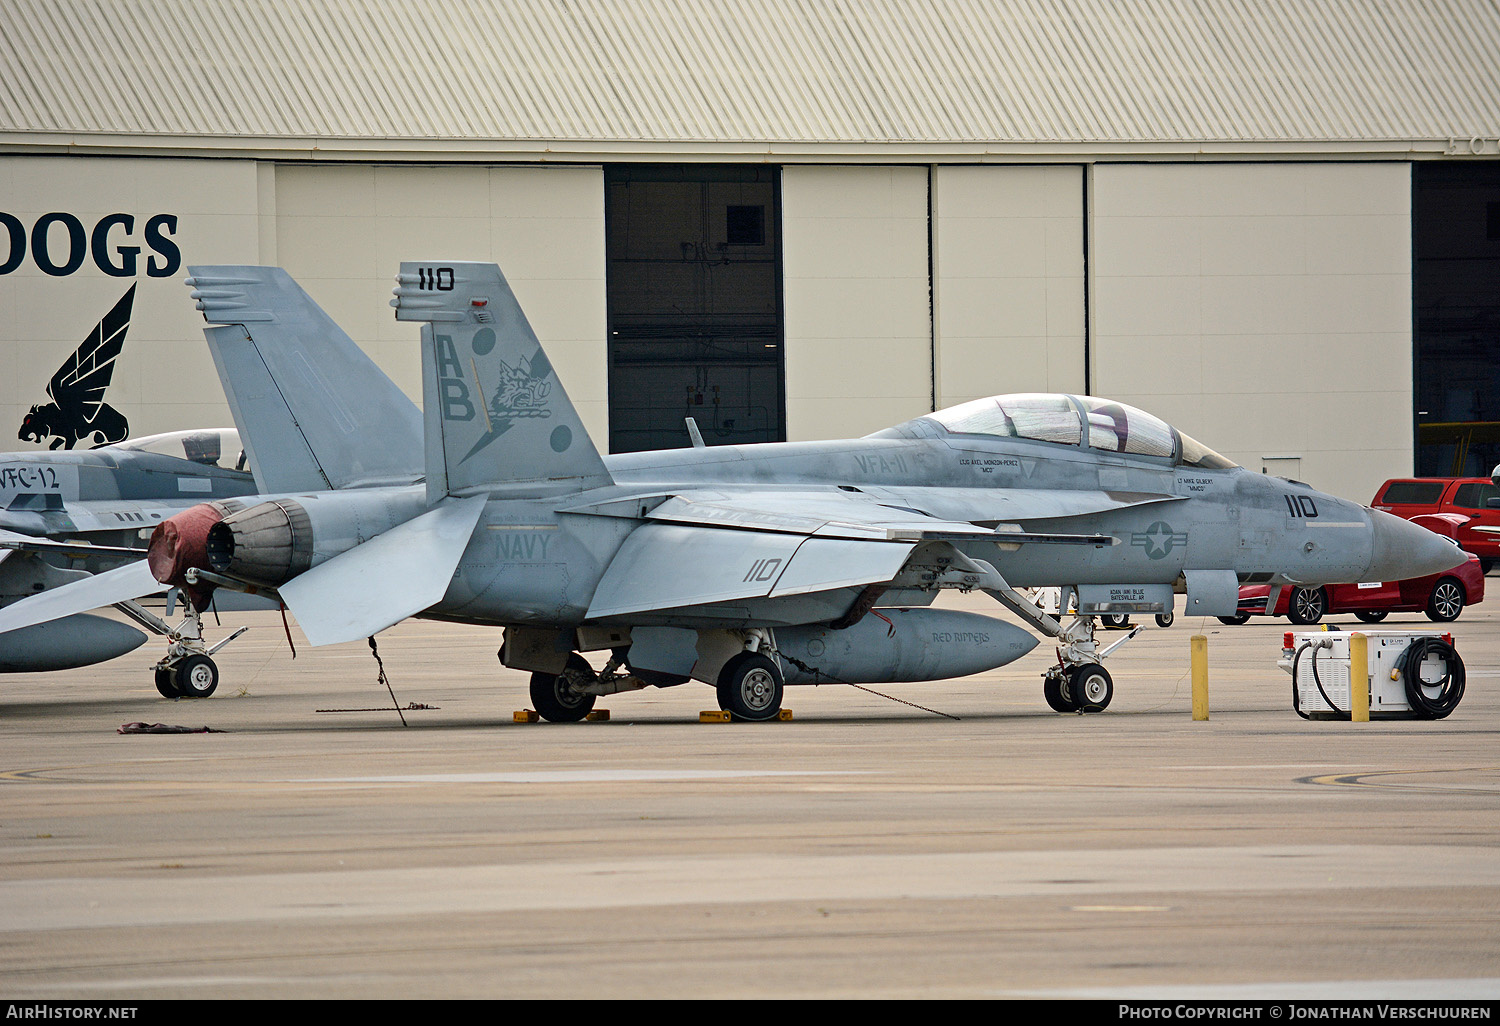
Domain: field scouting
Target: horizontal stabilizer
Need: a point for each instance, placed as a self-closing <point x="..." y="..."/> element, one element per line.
<point x="670" y="566"/>
<point x="397" y="574"/>
<point x="313" y="411"/>
<point x="122" y="584"/>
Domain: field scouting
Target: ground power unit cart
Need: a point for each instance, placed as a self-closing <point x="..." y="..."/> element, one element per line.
<point x="1412" y="675"/>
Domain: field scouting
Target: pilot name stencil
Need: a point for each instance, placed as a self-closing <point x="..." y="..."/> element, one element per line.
<point x="987" y="466"/>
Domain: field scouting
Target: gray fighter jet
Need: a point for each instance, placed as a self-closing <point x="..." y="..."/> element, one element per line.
<point x="70" y="512"/>
<point x="744" y="567"/>
<point x="109" y="494"/>
<point x="67" y="514"/>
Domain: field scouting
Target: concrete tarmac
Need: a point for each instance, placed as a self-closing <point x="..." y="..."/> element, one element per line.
<point x="944" y="840"/>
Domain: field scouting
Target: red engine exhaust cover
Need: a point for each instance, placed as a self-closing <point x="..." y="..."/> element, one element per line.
<point x="181" y="542"/>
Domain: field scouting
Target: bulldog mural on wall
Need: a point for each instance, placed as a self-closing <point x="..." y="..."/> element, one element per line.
<point x="78" y="411"/>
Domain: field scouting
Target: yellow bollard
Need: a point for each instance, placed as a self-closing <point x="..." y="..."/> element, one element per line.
<point x="1359" y="678"/>
<point x="1200" y="676"/>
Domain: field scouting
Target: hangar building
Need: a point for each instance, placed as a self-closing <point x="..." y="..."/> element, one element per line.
<point x="1274" y="223"/>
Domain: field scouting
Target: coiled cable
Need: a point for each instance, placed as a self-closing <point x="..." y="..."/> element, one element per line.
<point x="1296" y="697"/>
<point x="1450" y="687"/>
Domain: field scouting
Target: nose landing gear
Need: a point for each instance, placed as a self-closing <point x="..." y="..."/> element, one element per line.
<point x="1079" y="682"/>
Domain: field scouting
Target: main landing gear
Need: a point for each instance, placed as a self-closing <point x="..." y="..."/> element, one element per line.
<point x="750" y="685"/>
<point x="561" y="697"/>
<point x="188" y="669"/>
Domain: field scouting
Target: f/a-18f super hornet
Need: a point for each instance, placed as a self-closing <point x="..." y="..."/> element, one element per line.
<point x="745" y="567"/>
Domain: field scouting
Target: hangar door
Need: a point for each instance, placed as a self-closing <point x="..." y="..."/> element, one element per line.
<point x="1456" y="229"/>
<point x="694" y="287"/>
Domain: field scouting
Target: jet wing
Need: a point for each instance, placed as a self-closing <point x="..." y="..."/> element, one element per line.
<point x="990" y="506"/>
<point x="25" y="542"/>
<point x="829" y="513"/>
<point x="670" y="566"/>
<point x="709" y="547"/>
<point x="826" y="514"/>
<point x="123" y="584"/>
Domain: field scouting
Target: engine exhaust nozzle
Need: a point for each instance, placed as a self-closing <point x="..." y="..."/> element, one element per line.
<point x="268" y="543"/>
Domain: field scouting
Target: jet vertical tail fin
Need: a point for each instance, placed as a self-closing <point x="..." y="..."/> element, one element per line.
<point x="313" y="411"/>
<point x="495" y="413"/>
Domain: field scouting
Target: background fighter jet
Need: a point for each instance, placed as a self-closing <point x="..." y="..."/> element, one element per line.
<point x="66" y="514"/>
<point x="70" y="513"/>
<point x="745" y="567"/>
<point x="107" y="495"/>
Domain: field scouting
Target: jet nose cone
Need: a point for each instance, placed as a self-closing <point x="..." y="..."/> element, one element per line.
<point x="1401" y="550"/>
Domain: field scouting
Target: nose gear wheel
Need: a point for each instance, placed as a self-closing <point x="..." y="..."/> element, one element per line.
<point x="1084" y="688"/>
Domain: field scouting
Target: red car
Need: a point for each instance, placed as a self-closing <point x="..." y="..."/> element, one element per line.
<point x="1442" y="597"/>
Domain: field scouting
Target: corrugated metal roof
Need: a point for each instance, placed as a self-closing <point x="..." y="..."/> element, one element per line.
<point x="772" y="73"/>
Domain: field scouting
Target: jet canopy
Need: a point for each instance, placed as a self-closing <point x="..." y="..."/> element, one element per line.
<point x="211" y="447"/>
<point x="1078" y="421"/>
